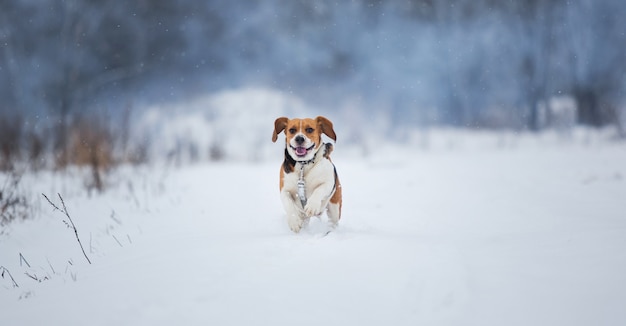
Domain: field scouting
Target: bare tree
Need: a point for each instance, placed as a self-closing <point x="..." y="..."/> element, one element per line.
<point x="596" y="54"/>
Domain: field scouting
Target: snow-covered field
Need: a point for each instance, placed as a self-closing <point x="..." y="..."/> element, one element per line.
<point x="517" y="230"/>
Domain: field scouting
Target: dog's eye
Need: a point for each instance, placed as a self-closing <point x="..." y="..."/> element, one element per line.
<point x="292" y="131"/>
<point x="309" y="130"/>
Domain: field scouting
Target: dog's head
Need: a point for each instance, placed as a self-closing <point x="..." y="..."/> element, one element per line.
<point x="303" y="137"/>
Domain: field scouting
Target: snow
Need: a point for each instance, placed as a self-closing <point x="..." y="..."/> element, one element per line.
<point x="473" y="229"/>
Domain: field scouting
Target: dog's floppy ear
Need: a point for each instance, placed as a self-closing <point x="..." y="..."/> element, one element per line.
<point x="327" y="127"/>
<point x="279" y="125"/>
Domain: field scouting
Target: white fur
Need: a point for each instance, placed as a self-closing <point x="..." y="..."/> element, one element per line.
<point x="307" y="143"/>
<point x="333" y="213"/>
<point x="319" y="178"/>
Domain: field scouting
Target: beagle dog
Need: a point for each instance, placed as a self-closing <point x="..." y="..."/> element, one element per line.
<point x="309" y="184"/>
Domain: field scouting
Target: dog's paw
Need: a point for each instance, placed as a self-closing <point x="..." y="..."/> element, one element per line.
<point x="295" y="223"/>
<point x="311" y="209"/>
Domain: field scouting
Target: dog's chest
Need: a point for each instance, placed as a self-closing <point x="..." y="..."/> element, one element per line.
<point x="314" y="176"/>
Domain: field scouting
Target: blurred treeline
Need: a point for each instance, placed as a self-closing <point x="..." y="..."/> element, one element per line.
<point x="73" y="72"/>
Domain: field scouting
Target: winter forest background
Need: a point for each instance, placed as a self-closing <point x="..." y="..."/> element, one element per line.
<point x="97" y="82"/>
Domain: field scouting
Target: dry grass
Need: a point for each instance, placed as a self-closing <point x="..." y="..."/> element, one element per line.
<point x="13" y="202"/>
<point x="91" y="144"/>
<point x="10" y="136"/>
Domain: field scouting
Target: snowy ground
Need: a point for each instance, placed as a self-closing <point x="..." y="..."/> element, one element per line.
<point x="523" y="232"/>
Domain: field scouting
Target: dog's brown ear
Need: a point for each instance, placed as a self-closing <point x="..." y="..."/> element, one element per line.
<point x="279" y="125"/>
<point x="327" y="127"/>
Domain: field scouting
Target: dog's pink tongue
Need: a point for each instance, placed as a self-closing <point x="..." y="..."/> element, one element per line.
<point x="300" y="151"/>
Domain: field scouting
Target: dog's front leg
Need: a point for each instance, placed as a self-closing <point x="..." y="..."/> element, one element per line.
<point x="316" y="203"/>
<point x="295" y="219"/>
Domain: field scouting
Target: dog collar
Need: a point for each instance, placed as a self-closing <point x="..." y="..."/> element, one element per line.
<point x="307" y="162"/>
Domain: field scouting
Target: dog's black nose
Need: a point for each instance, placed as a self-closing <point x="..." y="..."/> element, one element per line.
<point x="299" y="140"/>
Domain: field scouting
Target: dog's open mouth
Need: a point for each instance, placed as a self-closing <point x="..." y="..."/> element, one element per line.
<point x="302" y="151"/>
